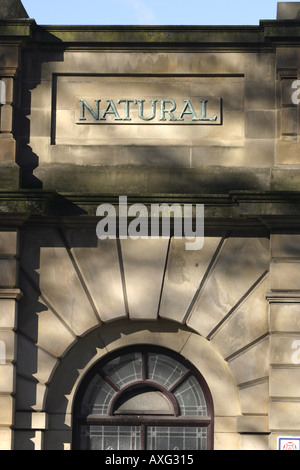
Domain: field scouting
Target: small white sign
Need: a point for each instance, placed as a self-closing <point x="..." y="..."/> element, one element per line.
<point x="289" y="443"/>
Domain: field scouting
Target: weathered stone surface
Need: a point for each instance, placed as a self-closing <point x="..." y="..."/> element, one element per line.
<point x="7" y="347"/>
<point x="9" y="244"/>
<point x="8" y="314"/>
<point x="6" y="439"/>
<point x="284" y="382"/>
<point x="255" y="442"/>
<point x="34" y="361"/>
<point x="256" y="359"/>
<point x="7" y="378"/>
<point x="185" y="271"/>
<point x="288" y="10"/>
<point x="99" y="264"/>
<point x="9" y="174"/>
<point x="282" y="350"/>
<point x="284" y="317"/>
<point x="12" y="9"/>
<point x="285" y="415"/>
<point x="257" y="424"/>
<point x="8" y="272"/>
<point x="39" y="323"/>
<point x="285" y="275"/>
<point x="6" y="410"/>
<point x="247" y="323"/>
<point x="285" y="245"/>
<point x="255" y="398"/>
<point x="240" y="264"/>
<point x="144" y="264"/>
<point x="217" y="375"/>
<point x="47" y="262"/>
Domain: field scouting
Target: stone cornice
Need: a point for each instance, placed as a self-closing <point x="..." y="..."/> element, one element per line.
<point x="239" y="210"/>
<point x="268" y="32"/>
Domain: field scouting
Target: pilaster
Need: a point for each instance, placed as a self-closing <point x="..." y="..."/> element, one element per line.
<point x="284" y="308"/>
<point x="9" y="296"/>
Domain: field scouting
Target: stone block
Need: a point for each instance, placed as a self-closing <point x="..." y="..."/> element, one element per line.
<point x="113" y="155"/>
<point x="286" y="152"/>
<point x="39" y="421"/>
<point x="7" y="148"/>
<point x="9" y="177"/>
<point x="255" y="398"/>
<point x="285" y="245"/>
<point x="144" y="264"/>
<point x="260" y="124"/>
<point x="34" y="362"/>
<point x="8" y="312"/>
<point x="252" y="364"/>
<point x="289" y="121"/>
<point x="8" y="89"/>
<point x="6" y="439"/>
<point x="239" y="265"/>
<point x="227" y="441"/>
<point x="38" y="322"/>
<point x="31" y="395"/>
<point x="259" y="95"/>
<point x="98" y="261"/>
<point x="287" y="91"/>
<point x="253" y="424"/>
<point x="285" y="275"/>
<point x="58" y="279"/>
<point x="217" y="374"/>
<point x="6" y="411"/>
<point x="6" y="115"/>
<point x="285" y="415"/>
<point x="250" y="153"/>
<point x="57" y="440"/>
<point x="46" y="364"/>
<point x="288" y="10"/>
<point x="8" y="272"/>
<point x="284" y="317"/>
<point x="259" y="442"/>
<point x="185" y="271"/>
<point x="285" y="179"/>
<point x="283" y="350"/>
<point x="9" y="54"/>
<point x="250" y="320"/>
<point x="7" y="378"/>
<point x="7" y="347"/>
<point x="225" y="424"/>
<point x="40" y="123"/>
<point x="9" y="245"/>
<point x="12" y="9"/>
<point x="24" y="440"/>
<point x="285" y="382"/>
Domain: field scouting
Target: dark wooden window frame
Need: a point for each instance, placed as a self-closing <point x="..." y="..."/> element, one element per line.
<point x="140" y="419"/>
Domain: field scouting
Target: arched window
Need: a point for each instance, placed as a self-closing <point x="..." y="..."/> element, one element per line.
<point x="143" y="398"/>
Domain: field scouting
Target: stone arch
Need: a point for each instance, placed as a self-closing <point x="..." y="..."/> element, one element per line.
<point x="217" y="294"/>
<point x="61" y="391"/>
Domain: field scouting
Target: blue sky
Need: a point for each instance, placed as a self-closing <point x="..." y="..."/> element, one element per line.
<point x="151" y="12"/>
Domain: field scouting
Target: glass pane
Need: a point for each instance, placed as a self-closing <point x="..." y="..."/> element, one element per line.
<point x="176" y="438"/>
<point x="125" y="369"/>
<point x="164" y="370"/>
<point x="144" y="402"/>
<point x="190" y="398"/>
<point x="110" y="438"/>
<point x="97" y="397"/>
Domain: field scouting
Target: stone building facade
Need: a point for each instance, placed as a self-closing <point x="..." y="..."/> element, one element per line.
<point x="176" y="115"/>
